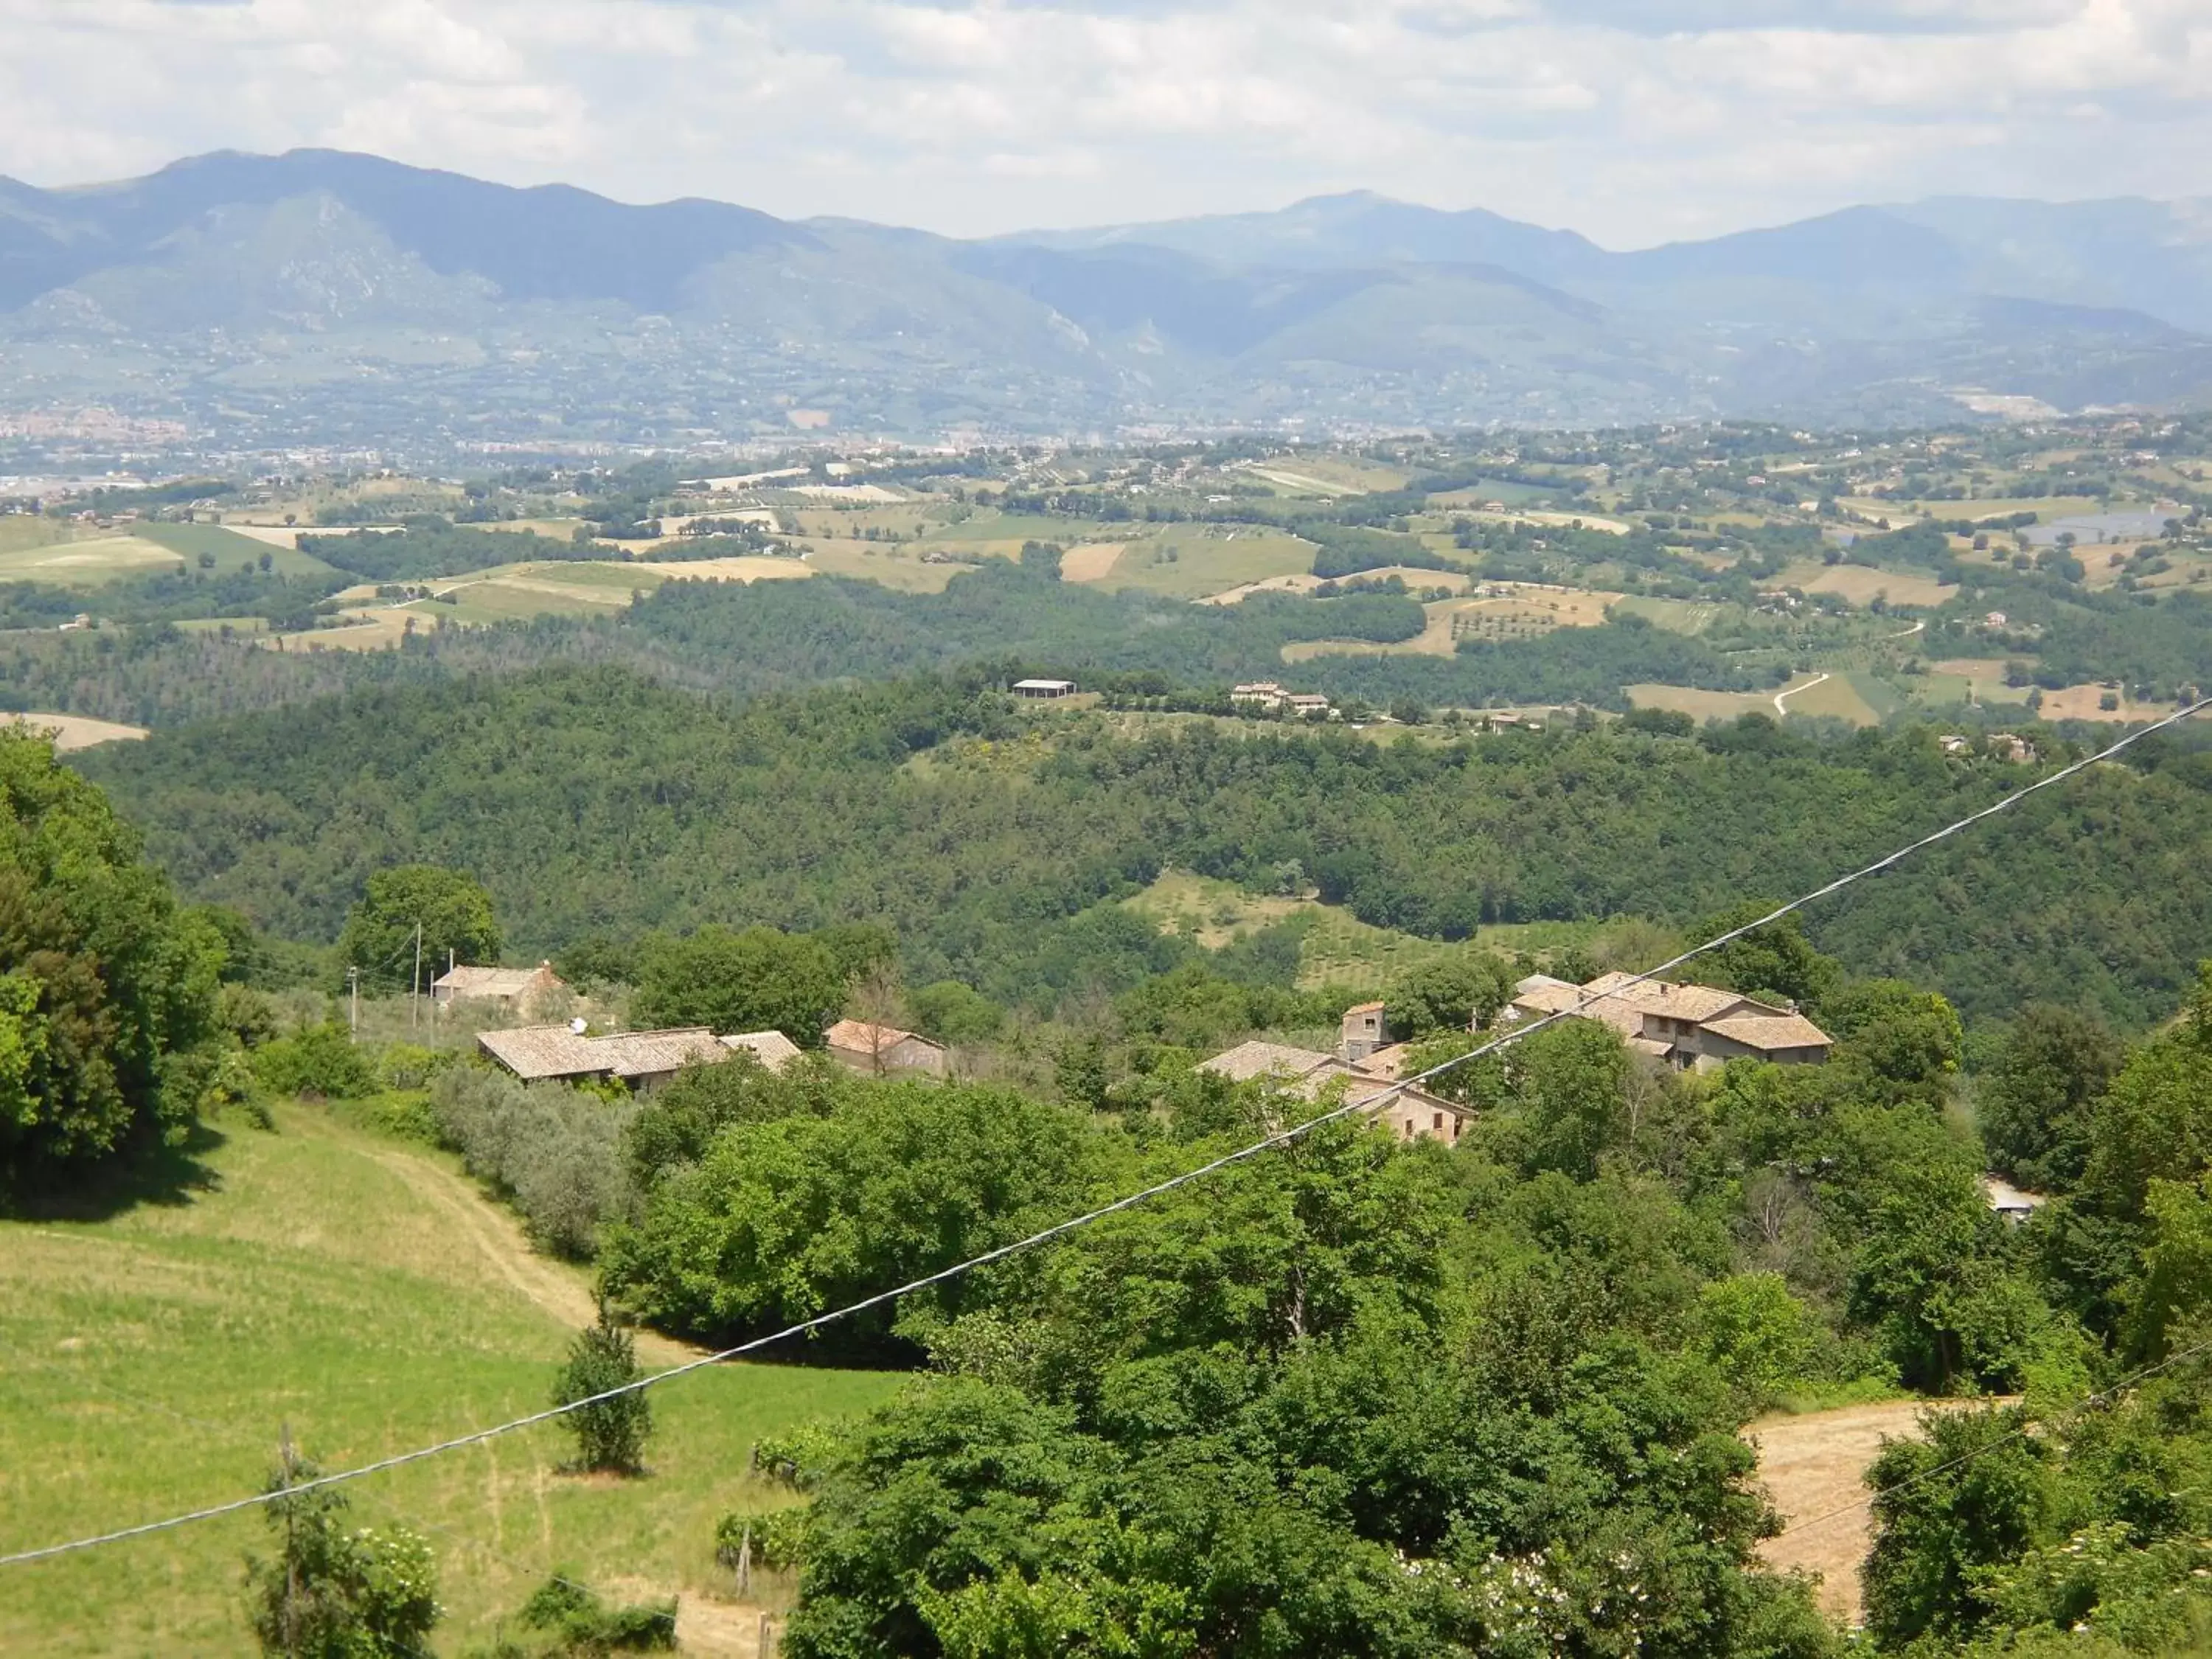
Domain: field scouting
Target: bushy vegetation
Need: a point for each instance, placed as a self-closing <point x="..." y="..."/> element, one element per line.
<point x="108" y="990"/>
<point x="333" y="1592"/>
<point x="610" y="1431"/>
<point x="550" y="1147"/>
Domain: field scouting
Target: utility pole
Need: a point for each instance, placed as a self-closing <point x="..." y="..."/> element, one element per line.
<point x="290" y="1623"/>
<point x="415" y="995"/>
<point x="353" y="987"/>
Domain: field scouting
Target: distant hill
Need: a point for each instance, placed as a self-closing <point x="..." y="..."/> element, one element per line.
<point x="326" y="296"/>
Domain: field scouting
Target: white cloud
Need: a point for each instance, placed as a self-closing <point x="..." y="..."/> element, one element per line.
<point x="1633" y="120"/>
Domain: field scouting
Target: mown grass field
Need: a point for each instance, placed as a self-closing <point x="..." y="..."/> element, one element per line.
<point x="88" y="562"/>
<point x="1195" y="562"/>
<point x="1861" y="584"/>
<point x="359" y="1290"/>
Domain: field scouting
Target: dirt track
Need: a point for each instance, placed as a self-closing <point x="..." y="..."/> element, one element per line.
<point x="498" y="1238"/>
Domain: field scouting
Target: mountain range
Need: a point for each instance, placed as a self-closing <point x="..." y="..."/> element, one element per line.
<point x="319" y="296"/>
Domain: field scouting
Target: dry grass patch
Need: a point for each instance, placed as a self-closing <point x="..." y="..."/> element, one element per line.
<point x="2085" y="702"/>
<point x="1090" y="562"/>
<point x="71" y="732"/>
<point x="1863" y="584"/>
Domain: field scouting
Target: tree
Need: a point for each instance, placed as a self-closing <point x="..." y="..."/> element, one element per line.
<point x="1972" y="1492"/>
<point x="107" y="990"/>
<point x="332" y="1594"/>
<point x="1451" y="994"/>
<point x="2033" y="1104"/>
<point x="1895" y="1040"/>
<point x="453" y="911"/>
<point x="1569" y="1080"/>
<point x="2155" y="1123"/>
<point x="732" y="980"/>
<point x="1775" y="961"/>
<point x="611" y="1434"/>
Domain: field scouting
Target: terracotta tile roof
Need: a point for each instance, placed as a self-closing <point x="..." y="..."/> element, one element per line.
<point x="534" y="1053"/>
<point x="1364" y="1008"/>
<point x="1250" y="1059"/>
<point x="1767" y="1032"/>
<point x="467" y="981"/>
<point x="861" y="1037"/>
<point x="1387" y="1061"/>
<point x="772" y="1048"/>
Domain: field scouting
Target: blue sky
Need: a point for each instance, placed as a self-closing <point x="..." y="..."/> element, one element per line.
<point x="1633" y="121"/>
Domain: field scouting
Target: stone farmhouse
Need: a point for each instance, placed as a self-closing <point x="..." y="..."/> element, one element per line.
<point x="514" y="987"/>
<point x="642" y="1060"/>
<point x="1688" y="1027"/>
<point x="883" y="1050"/>
<point x="1362" y="1066"/>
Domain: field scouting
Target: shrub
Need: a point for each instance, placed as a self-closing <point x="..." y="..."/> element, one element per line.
<point x="321" y="1060"/>
<point x="581" y="1623"/>
<point x="611" y="1434"/>
<point x="330" y="1592"/>
<point x="553" y="1150"/>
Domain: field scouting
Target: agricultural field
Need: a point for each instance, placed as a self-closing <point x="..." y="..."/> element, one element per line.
<point x="1969" y="679"/>
<point x="385" y="1304"/>
<point x="1503" y="610"/>
<point x="1857" y="698"/>
<point x="2087" y="703"/>
<point x="1679" y="615"/>
<point x="71" y="732"/>
<point x="1198" y="561"/>
<point x="1862" y="585"/>
<point x="889" y="564"/>
<point x="88" y="563"/>
<point x="1338" y="949"/>
<point x="1323" y="475"/>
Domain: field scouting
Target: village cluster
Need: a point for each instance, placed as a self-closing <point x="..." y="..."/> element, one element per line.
<point x="1682" y="1027"/>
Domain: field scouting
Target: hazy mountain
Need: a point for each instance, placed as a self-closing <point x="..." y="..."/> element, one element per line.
<point x="318" y="296"/>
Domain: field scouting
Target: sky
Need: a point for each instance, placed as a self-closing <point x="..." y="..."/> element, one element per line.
<point x="1633" y="121"/>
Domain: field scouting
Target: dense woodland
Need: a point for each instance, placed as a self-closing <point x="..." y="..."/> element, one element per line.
<point x="992" y="841"/>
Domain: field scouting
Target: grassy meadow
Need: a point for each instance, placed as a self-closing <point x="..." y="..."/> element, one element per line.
<point x="359" y="1290"/>
<point x="1338" y="949"/>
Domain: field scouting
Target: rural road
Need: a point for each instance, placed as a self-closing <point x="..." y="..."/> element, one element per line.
<point x="1793" y="690"/>
<point x="1907" y="633"/>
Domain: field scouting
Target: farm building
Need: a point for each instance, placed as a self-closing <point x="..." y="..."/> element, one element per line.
<point x="1408" y="1113"/>
<point x="1042" y="689"/>
<point x="772" y="1048"/>
<point x="517" y="988"/>
<point x="642" y="1060"/>
<point x="1689" y="1027"/>
<point x="880" y="1050"/>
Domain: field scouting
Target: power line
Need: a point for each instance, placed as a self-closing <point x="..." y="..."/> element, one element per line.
<point x="1280" y="1138"/>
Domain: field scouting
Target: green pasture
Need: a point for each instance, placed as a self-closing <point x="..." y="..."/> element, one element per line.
<point x="360" y="1292"/>
<point x="230" y="549"/>
<point x="1195" y="562"/>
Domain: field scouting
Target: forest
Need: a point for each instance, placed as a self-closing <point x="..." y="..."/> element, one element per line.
<point x="994" y="841"/>
<point x="771" y="635"/>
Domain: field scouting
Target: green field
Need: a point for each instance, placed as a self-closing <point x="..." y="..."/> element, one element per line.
<point x="1195" y="562"/>
<point x="230" y="549"/>
<point x="1339" y="949"/>
<point x="359" y="1290"/>
<point x="88" y="563"/>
